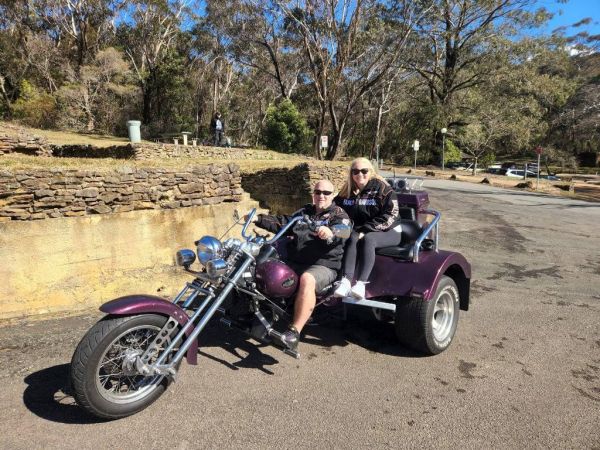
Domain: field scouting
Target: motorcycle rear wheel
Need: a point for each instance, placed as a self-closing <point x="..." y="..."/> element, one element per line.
<point x="429" y="326"/>
<point x="100" y="383"/>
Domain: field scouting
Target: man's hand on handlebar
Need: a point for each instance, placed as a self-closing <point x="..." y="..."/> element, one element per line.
<point x="254" y="219"/>
<point x="324" y="233"/>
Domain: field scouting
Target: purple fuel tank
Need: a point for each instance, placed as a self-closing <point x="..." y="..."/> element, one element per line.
<point x="276" y="279"/>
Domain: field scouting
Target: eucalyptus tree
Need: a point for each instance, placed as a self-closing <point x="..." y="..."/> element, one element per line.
<point x="81" y="27"/>
<point x="461" y="44"/>
<point x="254" y="37"/>
<point x="349" y="47"/>
<point x="149" y="33"/>
<point x="576" y="126"/>
<point x="90" y="99"/>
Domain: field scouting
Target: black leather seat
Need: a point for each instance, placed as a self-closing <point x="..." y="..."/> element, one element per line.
<point x="411" y="230"/>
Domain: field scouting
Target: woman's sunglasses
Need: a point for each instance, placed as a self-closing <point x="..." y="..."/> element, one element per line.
<point x="319" y="192"/>
<point x="357" y="171"/>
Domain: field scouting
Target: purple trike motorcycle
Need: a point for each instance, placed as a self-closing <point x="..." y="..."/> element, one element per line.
<point x="128" y="358"/>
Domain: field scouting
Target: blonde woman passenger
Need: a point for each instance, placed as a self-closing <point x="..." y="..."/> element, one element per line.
<point x="373" y="207"/>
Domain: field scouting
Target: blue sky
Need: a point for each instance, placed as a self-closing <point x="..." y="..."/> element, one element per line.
<point x="566" y="14"/>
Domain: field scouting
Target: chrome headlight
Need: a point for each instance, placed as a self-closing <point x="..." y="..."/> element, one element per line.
<point x="216" y="268"/>
<point x="185" y="257"/>
<point x="208" y="248"/>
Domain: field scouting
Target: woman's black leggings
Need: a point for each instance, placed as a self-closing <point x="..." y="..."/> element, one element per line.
<point x="368" y="244"/>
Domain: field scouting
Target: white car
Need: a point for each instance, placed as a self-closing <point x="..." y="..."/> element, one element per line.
<point x="516" y="173"/>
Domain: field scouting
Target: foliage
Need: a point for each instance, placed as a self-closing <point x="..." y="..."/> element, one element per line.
<point x="88" y="101"/>
<point x="372" y="75"/>
<point x="34" y="107"/>
<point x="285" y="129"/>
<point x="452" y="152"/>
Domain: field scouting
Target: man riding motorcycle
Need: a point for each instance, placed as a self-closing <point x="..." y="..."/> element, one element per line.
<point x="315" y="254"/>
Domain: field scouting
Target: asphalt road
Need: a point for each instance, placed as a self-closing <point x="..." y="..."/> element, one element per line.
<point x="523" y="371"/>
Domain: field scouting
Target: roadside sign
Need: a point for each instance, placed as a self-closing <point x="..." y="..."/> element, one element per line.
<point x="324" y="142"/>
<point x="416" y="145"/>
<point x="538" y="150"/>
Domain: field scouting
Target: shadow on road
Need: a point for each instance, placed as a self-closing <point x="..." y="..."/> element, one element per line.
<point x="328" y="330"/>
<point x="47" y="397"/>
<point x="238" y="344"/>
<point x="362" y="329"/>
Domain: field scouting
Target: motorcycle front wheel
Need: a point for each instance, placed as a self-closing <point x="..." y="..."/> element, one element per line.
<point x="102" y="377"/>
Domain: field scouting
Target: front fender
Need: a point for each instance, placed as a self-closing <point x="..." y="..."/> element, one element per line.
<point x="397" y="278"/>
<point x="140" y="304"/>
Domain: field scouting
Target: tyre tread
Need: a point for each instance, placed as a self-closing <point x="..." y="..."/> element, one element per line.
<point x="83" y="353"/>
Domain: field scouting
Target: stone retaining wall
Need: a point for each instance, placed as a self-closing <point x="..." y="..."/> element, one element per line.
<point x="16" y="139"/>
<point x="90" y="151"/>
<point x="42" y="194"/>
<point x="285" y="190"/>
<point x="73" y="264"/>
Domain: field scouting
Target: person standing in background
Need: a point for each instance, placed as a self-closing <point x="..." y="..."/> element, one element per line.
<point x="217" y="125"/>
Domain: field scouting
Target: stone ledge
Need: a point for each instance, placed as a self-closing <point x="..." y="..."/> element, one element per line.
<point x="35" y="195"/>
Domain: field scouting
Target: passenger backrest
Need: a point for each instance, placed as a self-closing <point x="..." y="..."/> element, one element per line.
<point x="407" y="213"/>
<point x="411" y="230"/>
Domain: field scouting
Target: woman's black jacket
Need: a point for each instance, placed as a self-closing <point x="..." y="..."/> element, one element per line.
<point x="374" y="208"/>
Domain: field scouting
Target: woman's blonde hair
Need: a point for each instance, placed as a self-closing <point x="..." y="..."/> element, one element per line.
<point x="349" y="186"/>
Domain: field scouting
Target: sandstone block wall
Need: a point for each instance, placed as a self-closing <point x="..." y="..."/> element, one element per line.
<point x="284" y="190"/>
<point x="67" y="265"/>
<point x="42" y="194"/>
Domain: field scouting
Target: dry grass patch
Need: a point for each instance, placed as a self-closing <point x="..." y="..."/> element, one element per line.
<point x="25" y="162"/>
<point x="70" y="138"/>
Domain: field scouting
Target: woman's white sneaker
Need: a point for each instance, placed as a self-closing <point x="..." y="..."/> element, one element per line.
<point x="343" y="290"/>
<point x="358" y="290"/>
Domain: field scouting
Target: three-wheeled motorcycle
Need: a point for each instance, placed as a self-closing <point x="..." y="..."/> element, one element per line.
<point x="128" y="358"/>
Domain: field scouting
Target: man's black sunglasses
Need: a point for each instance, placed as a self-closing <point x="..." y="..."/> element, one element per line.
<point x="357" y="171"/>
<point x="319" y="192"/>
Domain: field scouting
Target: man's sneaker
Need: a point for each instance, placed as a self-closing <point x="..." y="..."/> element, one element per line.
<point x="343" y="289"/>
<point x="291" y="338"/>
<point x="358" y="290"/>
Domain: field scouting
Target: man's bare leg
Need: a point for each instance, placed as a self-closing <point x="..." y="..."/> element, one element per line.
<point x="306" y="299"/>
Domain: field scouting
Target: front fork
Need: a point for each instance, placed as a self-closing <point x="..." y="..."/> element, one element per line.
<point x="161" y="366"/>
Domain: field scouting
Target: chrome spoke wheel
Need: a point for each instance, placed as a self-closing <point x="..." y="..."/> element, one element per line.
<point x="443" y="316"/>
<point x="117" y="380"/>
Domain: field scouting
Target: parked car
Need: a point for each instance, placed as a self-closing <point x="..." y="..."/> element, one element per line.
<point x="515" y="173"/>
<point x="550" y="177"/>
<point x="495" y="169"/>
<point x="458" y="165"/>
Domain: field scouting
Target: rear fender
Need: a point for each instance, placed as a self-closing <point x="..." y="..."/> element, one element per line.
<point x="139" y="304"/>
<point x="397" y="278"/>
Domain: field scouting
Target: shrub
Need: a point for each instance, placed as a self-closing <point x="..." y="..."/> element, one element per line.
<point x="34" y="108"/>
<point x="451" y="153"/>
<point x="286" y="129"/>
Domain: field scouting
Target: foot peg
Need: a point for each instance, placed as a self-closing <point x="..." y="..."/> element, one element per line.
<point x="288" y="340"/>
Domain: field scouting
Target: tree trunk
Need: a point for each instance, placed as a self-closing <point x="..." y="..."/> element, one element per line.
<point x="5" y="98"/>
<point x="377" y="129"/>
<point x="337" y="147"/>
<point x="338" y="125"/>
<point x="147" y="103"/>
<point x="320" y="127"/>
